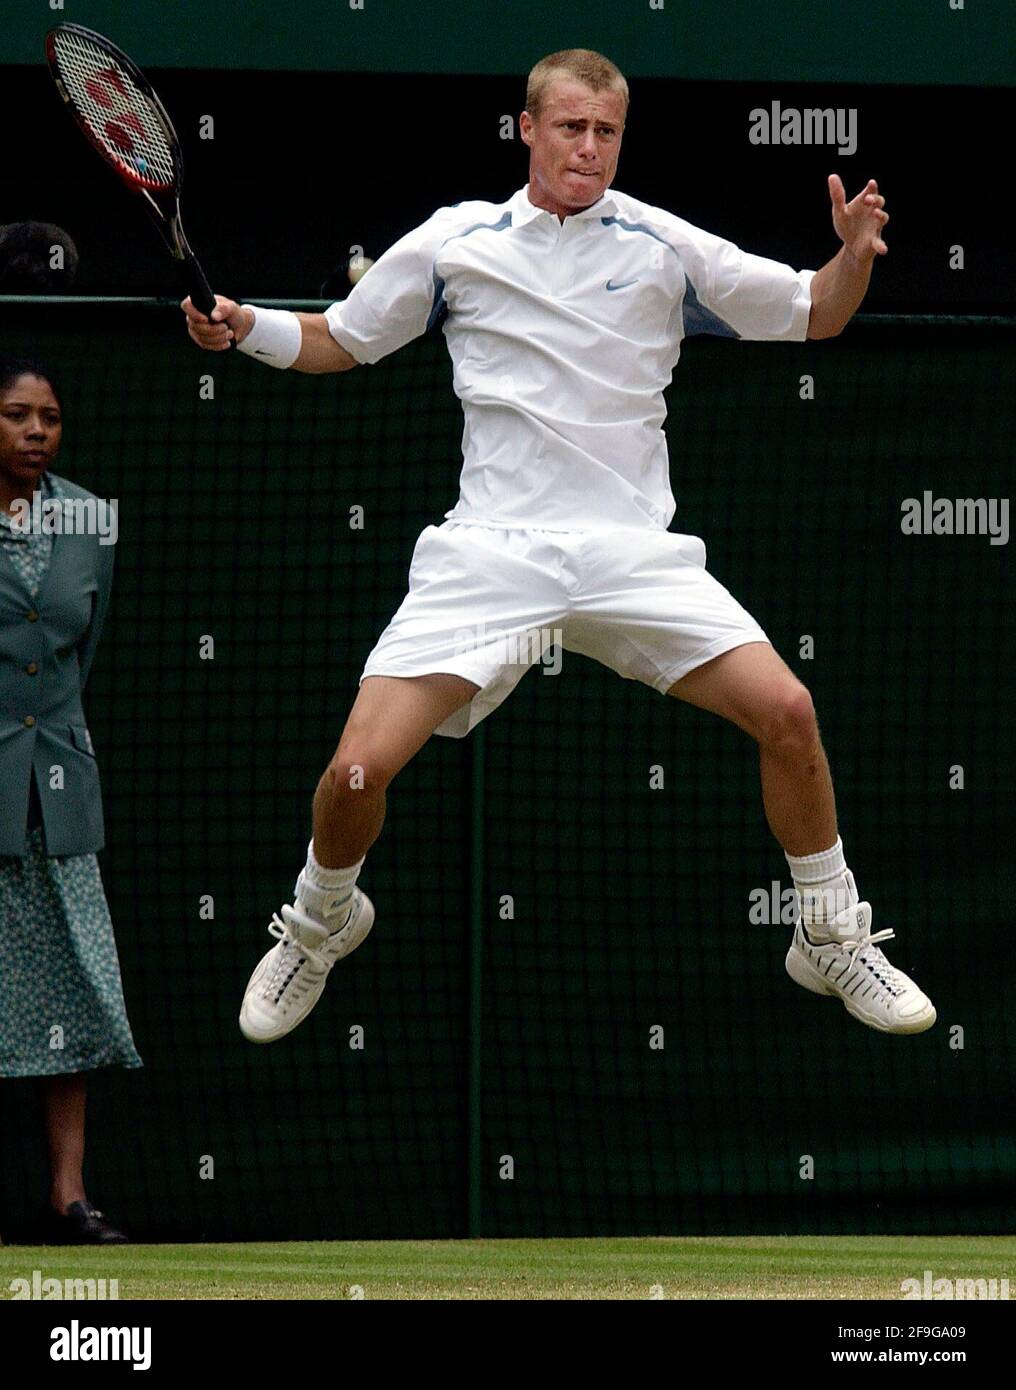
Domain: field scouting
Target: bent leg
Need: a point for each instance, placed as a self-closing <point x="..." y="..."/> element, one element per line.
<point x="755" y="689"/>
<point x="833" y="951"/>
<point x="391" y="719"/>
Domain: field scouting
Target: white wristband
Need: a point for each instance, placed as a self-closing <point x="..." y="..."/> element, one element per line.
<point x="276" y="337"/>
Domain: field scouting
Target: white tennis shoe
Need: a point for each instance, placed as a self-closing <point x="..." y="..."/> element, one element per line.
<point x="290" y="978"/>
<point x="853" y="967"/>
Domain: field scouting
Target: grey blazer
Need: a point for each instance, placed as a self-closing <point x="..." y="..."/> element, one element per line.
<point x="46" y="650"/>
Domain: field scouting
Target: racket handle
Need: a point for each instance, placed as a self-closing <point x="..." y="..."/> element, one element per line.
<point x="200" y="291"/>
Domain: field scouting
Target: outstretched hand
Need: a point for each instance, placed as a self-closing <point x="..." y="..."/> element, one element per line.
<point x="859" y="223"/>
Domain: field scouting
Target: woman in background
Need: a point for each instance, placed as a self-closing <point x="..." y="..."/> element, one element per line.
<point x="62" y="1011"/>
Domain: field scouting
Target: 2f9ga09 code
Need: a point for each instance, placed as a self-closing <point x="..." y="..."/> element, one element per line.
<point x="868" y="1334"/>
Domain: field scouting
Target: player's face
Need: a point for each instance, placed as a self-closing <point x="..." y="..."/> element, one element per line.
<point x="30" y="429"/>
<point x="573" y="145"/>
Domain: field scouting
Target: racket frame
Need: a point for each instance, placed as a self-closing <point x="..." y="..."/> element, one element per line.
<point x="163" y="204"/>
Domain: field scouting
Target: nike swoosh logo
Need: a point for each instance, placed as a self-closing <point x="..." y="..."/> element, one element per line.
<point x="622" y="286"/>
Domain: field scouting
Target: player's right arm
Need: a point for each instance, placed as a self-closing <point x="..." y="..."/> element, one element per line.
<point x="318" y="351"/>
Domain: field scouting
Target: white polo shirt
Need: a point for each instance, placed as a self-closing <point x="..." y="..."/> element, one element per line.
<point x="563" y="337"/>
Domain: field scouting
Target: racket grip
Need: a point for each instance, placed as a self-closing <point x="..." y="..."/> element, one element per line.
<point x="200" y="291"/>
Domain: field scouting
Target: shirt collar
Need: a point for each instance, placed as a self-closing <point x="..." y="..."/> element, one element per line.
<point x="524" y="211"/>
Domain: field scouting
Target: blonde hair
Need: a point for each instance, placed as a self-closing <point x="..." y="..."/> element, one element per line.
<point x="584" y="65"/>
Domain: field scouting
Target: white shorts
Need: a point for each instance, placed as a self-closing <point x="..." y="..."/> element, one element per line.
<point x="488" y="602"/>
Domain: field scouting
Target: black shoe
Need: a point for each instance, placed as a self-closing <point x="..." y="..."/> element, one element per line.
<point x="82" y="1225"/>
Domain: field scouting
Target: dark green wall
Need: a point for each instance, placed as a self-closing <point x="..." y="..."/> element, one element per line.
<point x="631" y="904"/>
<point x="783" y="40"/>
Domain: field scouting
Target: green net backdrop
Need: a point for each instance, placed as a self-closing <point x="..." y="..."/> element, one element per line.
<point x="908" y="41"/>
<point x="527" y="1037"/>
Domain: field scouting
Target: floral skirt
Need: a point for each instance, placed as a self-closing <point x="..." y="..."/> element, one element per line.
<point x="61" y="999"/>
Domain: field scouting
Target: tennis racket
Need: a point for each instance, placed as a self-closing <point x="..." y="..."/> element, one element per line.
<point x="117" y="110"/>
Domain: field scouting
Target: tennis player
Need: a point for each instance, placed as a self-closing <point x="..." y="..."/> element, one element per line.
<point x="564" y="309"/>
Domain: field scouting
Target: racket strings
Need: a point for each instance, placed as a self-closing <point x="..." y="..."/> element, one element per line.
<point x="117" y="112"/>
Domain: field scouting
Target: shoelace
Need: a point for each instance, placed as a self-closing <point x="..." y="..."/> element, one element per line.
<point x="291" y="945"/>
<point x="876" y="960"/>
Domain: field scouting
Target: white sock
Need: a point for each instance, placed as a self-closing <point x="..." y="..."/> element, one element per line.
<point x="325" y="895"/>
<point x="825" y="886"/>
